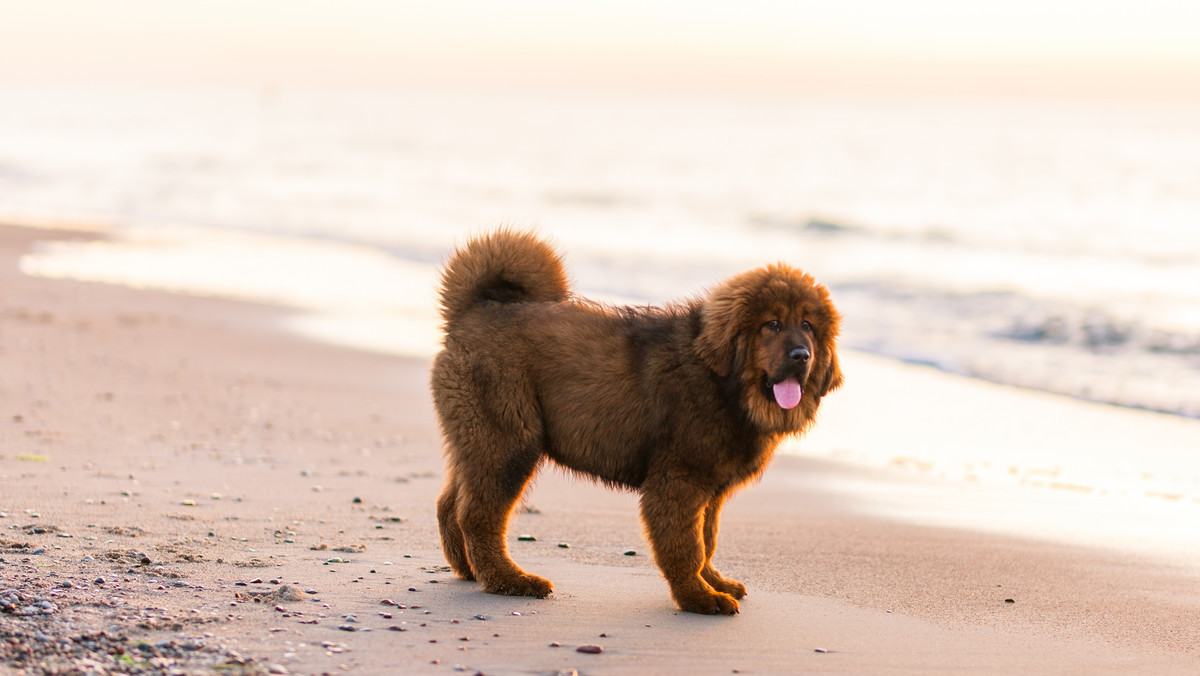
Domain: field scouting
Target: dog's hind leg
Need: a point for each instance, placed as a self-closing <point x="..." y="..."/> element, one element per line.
<point x="712" y="523"/>
<point x="486" y="499"/>
<point x="453" y="547"/>
<point x="673" y="512"/>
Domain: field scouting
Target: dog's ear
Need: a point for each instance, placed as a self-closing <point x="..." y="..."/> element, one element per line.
<point x="833" y="374"/>
<point x="719" y="325"/>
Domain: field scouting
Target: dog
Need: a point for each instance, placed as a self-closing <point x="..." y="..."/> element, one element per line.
<point x="683" y="404"/>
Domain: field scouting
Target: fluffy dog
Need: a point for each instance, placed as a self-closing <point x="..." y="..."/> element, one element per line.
<point x="683" y="404"/>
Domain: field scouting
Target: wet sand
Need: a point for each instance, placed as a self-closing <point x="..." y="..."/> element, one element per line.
<point x="200" y="459"/>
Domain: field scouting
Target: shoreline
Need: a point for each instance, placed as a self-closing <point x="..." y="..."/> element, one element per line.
<point x="198" y="432"/>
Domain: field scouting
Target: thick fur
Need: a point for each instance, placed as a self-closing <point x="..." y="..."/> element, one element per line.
<point x="675" y="403"/>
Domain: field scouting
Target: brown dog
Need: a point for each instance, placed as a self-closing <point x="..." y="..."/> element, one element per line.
<point x="683" y="404"/>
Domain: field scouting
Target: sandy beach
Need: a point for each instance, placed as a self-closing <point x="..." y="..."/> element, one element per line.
<point x="185" y="487"/>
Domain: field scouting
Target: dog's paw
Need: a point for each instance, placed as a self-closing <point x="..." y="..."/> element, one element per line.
<point x="732" y="587"/>
<point x="709" y="603"/>
<point x="723" y="584"/>
<point x="520" y="585"/>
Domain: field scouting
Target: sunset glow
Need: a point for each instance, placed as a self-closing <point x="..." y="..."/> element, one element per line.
<point x="1116" y="49"/>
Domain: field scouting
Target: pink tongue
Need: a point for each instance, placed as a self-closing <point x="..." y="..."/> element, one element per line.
<point x="787" y="393"/>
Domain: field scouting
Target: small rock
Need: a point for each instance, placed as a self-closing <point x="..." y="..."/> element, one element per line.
<point x="590" y="649"/>
<point x="1010" y="600"/>
<point x="564" y="545"/>
<point x="822" y="651"/>
<point x="277" y="669"/>
<point x="98" y="580"/>
<point x="480" y="617"/>
<point x="310" y="591"/>
<point x="387" y="602"/>
<point x="526" y="538"/>
<point x="555" y="644"/>
<point x="347" y="627"/>
<point x="630" y="553"/>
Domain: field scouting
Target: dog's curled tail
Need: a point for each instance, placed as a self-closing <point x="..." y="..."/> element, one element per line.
<point x="505" y="266"/>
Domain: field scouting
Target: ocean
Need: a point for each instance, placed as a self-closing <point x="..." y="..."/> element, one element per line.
<point x="1053" y="245"/>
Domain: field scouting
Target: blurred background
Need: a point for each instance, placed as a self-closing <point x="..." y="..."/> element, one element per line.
<point x="1008" y="191"/>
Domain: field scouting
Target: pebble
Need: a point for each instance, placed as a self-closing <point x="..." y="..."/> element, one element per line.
<point x="526" y="538"/>
<point x="630" y="553"/>
<point x="591" y="649"/>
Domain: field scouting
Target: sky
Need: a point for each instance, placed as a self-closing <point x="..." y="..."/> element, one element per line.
<point x="1073" y="48"/>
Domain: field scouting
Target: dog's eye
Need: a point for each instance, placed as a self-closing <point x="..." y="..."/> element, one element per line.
<point x="773" y="325"/>
<point x="806" y="326"/>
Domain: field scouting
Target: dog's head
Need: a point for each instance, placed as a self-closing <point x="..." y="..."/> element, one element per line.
<point x="774" y="329"/>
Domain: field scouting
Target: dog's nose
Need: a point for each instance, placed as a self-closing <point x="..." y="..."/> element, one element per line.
<point x="800" y="354"/>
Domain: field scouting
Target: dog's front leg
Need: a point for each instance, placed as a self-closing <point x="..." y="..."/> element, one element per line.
<point x="712" y="522"/>
<point x="673" y="512"/>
